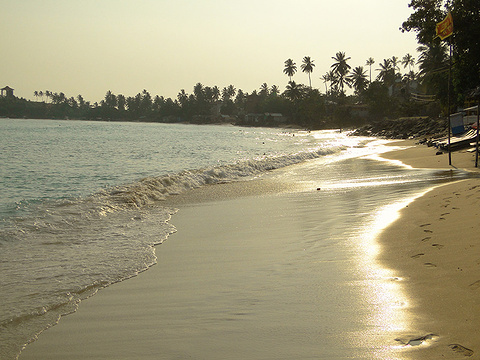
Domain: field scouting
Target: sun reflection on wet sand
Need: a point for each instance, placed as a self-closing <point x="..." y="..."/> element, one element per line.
<point x="382" y="288"/>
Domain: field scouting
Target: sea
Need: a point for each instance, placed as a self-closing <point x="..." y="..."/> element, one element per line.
<point x="82" y="202"/>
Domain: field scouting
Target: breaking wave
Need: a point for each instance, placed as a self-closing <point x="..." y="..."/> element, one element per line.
<point x="152" y="189"/>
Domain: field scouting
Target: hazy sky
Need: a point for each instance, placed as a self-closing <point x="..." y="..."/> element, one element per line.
<point x="90" y="46"/>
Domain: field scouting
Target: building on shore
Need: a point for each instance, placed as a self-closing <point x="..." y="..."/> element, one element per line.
<point x="7" y="91"/>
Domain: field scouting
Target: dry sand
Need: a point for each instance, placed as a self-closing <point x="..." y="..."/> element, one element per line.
<point x="434" y="247"/>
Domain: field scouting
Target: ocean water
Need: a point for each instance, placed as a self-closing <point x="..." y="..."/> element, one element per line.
<point x="81" y="202"/>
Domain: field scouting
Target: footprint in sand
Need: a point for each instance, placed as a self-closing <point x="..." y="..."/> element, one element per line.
<point x="416" y="256"/>
<point x="428" y="231"/>
<point x="417" y="340"/>
<point x="442" y="215"/>
<point x="425" y="225"/>
<point x="461" y="349"/>
<point x="430" y="264"/>
<point x="475" y="285"/>
<point x="426" y="238"/>
<point x="438" y="246"/>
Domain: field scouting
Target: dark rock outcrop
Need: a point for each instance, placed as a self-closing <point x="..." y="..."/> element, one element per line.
<point x="405" y="128"/>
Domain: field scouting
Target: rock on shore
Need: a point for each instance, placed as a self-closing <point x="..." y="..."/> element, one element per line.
<point x="405" y="128"/>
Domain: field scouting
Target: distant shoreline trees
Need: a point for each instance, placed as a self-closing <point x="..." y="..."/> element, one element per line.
<point x="299" y="104"/>
<point x="388" y="93"/>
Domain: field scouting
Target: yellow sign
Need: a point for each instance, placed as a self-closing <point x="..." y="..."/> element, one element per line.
<point x="445" y="28"/>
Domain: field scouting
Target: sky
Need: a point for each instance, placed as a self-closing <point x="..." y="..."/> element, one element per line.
<point x="88" y="47"/>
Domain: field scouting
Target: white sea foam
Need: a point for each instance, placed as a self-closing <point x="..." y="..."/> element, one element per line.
<point x="152" y="189"/>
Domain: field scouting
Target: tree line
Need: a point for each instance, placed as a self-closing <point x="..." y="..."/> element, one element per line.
<point x="390" y="88"/>
<point x="300" y="104"/>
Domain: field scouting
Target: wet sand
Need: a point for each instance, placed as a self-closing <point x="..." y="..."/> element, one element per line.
<point x="243" y="278"/>
<point x="434" y="248"/>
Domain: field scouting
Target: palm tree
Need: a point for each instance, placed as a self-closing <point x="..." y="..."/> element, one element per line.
<point x="394" y="61"/>
<point x="408" y="78"/>
<point x="325" y="79"/>
<point x="264" y="89"/>
<point x="293" y="91"/>
<point x="182" y="98"/>
<point x="290" y="68"/>
<point x="35" y="93"/>
<point x="385" y="71"/>
<point x="341" y="68"/>
<point x="359" y="79"/>
<point x="215" y="93"/>
<point x="81" y="100"/>
<point x="274" y="90"/>
<point x="228" y="92"/>
<point x="209" y="94"/>
<point x="110" y="100"/>
<point x="433" y="65"/>
<point x="307" y="66"/>
<point x="239" y="99"/>
<point x="370" y="62"/>
<point x="120" y="102"/>
<point x="408" y="60"/>
<point x="330" y="78"/>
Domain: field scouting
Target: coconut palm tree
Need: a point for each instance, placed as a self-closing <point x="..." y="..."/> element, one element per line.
<point x="433" y="65"/>
<point x="408" y="60"/>
<point x="386" y="72"/>
<point x="394" y="61"/>
<point x="330" y="78"/>
<point x="231" y="90"/>
<point x="325" y="79"/>
<point x="264" y="89"/>
<point x="215" y="93"/>
<point x="209" y="94"/>
<point x="358" y="78"/>
<point x="341" y="68"/>
<point x="293" y="91"/>
<point x="290" y="68"/>
<point x="307" y="66"/>
<point x="182" y="97"/>
<point x="198" y="92"/>
<point x="274" y="90"/>
<point x="370" y="62"/>
<point x="239" y="99"/>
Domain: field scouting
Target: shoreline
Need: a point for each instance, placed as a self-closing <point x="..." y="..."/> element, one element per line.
<point x="434" y="247"/>
<point x="421" y="281"/>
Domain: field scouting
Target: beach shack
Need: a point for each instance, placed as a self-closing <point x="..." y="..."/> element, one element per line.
<point x="7" y="91"/>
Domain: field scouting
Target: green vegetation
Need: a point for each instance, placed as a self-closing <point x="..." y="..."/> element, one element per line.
<point x="392" y="89"/>
<point x="434" y="53"/>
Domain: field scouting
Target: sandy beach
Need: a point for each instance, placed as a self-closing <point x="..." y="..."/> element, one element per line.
<point x="433" y="247"/>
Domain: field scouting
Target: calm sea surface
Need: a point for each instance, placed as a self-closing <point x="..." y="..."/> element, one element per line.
<point x="81" y="202"/>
